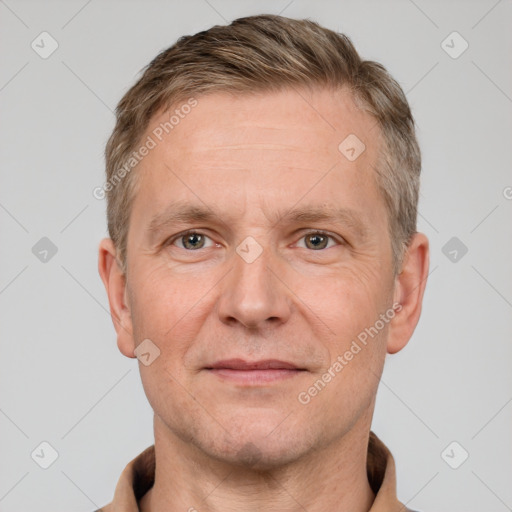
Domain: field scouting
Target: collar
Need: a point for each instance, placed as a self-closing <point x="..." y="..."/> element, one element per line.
<point x="139" y="476"/>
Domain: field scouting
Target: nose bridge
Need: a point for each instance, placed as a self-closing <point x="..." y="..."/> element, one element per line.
<point x="252" y="294"/>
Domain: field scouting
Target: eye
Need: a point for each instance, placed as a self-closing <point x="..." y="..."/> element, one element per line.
<point x="195" y="240"/>
<point x="190" y="241"/>
<point x="317" y="240"/>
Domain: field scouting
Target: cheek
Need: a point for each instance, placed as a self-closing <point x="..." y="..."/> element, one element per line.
<point x="161" y="297"/>
<point x="346" y="302"/>
<point x="169" y="310"/>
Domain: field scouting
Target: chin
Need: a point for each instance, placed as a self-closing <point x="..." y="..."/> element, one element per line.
<point x="260" y="446"/>
<point x="259" y="457"/>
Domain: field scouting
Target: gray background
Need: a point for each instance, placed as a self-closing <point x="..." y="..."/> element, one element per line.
<point x="62" y="379"/>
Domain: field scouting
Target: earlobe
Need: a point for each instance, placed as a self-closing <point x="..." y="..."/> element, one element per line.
<point x="409" y="289"/>
<point x="115" y="284"/>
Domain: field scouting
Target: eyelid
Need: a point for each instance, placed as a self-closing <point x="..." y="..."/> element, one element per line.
<point x="173" y="238"/>
<point x="304" y="232"/>
<point x="308" y="231"/>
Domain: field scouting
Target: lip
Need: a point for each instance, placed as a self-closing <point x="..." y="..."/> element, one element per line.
<point x="261" y="372"/>
<point x="241" y="364"/>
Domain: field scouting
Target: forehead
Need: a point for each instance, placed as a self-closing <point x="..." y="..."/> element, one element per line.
<point x="231" y="149"/>
<point x="309" y="122"/>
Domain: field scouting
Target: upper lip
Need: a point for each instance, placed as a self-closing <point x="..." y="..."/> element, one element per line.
<point x="241" y="364"/>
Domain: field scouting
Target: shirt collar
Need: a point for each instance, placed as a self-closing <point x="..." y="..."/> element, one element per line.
<point x="139" y="475"/>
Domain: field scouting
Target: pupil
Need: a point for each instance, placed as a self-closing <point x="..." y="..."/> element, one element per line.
<point x="316" y="240"/>
<point x="193" y="239"/>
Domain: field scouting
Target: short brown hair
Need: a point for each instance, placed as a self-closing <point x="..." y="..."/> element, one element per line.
<point x="262" y="54"/>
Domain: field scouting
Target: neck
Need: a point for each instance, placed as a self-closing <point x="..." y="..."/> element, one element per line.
<point x="332" y="478"/>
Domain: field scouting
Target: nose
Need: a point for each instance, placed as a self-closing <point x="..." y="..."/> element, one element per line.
<point x="253" y="295"/>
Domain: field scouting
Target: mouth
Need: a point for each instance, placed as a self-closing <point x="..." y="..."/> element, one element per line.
<point x="254" y="372"/>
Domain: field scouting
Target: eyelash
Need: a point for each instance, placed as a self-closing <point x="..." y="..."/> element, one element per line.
<point x="171" y="240"/>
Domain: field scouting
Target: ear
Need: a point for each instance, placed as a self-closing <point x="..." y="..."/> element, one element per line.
<point x="115" y="284"/>
<point x="408" y="295"/>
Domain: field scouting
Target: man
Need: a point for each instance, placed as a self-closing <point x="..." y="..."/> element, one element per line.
<point x="262" y="188"/>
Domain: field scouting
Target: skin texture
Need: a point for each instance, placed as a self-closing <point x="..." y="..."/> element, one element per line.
<point x="224" y="446"/>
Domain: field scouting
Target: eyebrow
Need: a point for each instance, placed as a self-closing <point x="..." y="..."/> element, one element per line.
<point x="183" y="212"/>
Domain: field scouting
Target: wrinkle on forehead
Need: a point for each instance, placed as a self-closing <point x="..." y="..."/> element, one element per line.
<point x="286" y="118"/>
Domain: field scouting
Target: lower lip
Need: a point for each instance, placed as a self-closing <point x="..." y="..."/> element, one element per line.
<point x="254" y="376"/>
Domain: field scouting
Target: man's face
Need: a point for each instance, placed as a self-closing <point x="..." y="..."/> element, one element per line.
<point x="252" y="163"/>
